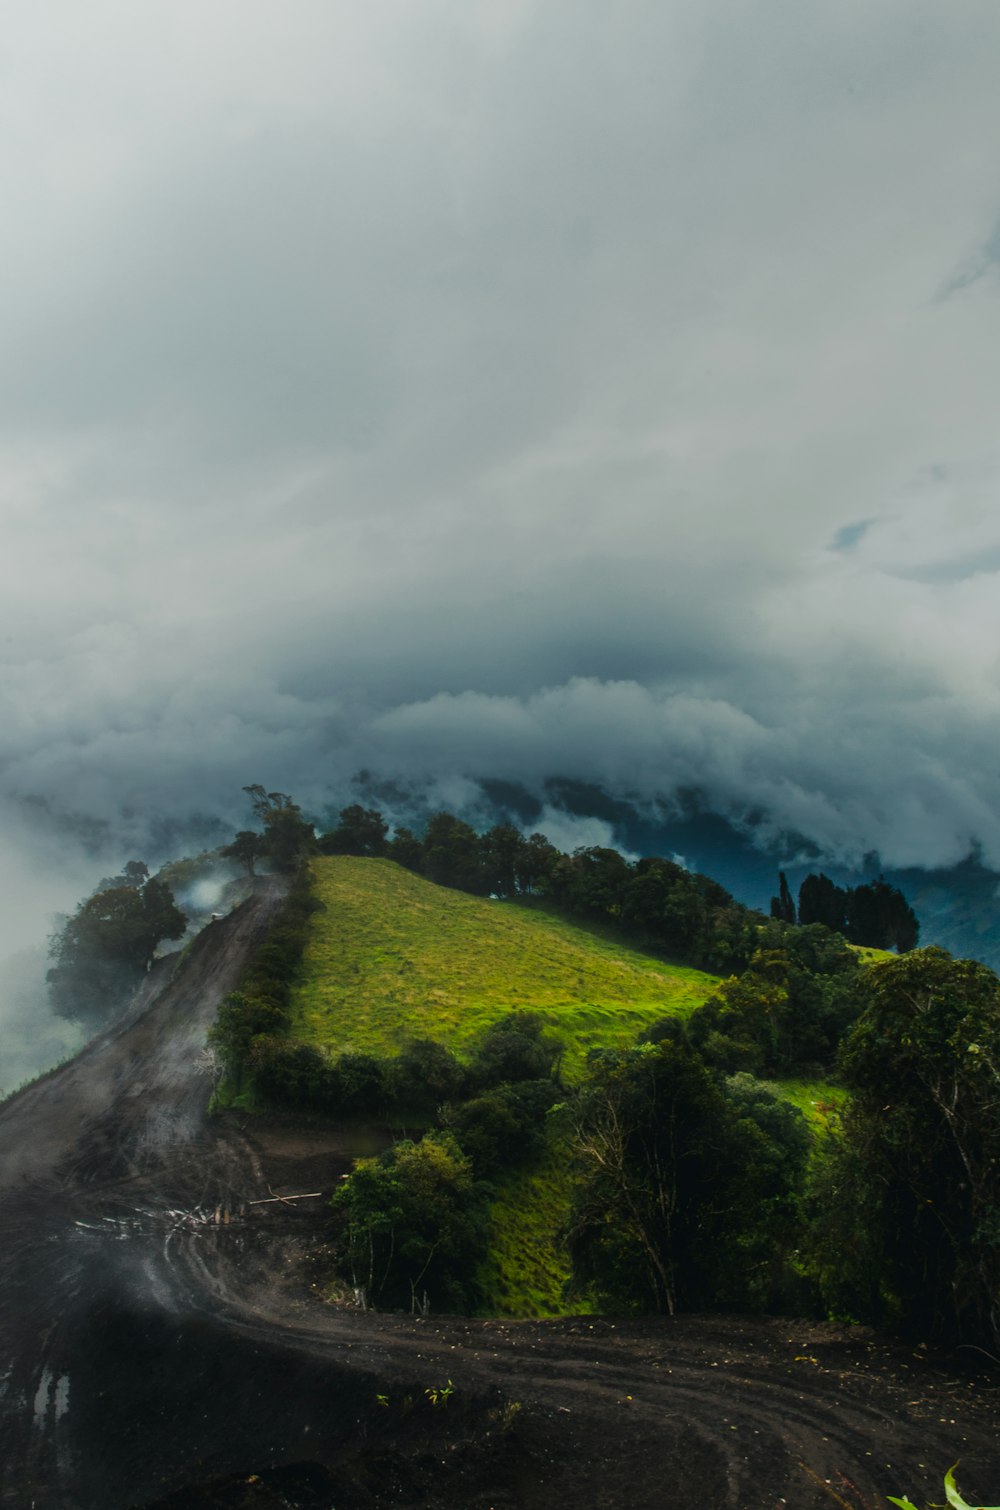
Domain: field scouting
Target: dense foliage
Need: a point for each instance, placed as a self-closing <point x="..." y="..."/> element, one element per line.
<point x="688" y="1198"/>
<point x="252" y="1022"/>
<point x="413" y="1221"/>
<point x="786" y="1014"/>
<point x="908" y="1223"/>
<point x="413" y="1226"/>
<point x="902" y="1223"/>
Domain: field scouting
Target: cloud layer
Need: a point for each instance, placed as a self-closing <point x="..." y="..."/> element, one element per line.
<point x="494" y="388"/>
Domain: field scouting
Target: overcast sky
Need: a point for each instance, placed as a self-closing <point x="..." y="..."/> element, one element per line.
<point x="506" y="388"/>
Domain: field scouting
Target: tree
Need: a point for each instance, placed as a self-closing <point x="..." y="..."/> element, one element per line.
<point x="264" y="802"/>
<point x="162" y="918"/>
<point x="909" y="1228"/>
<point x="593" y="881"/>
<point x="424" y="1076"/>
<point x="361" y="1085"/>
<point x="502" y="848"/>
<point x="107" y="945"/>
<point x="242" y="1018"/>
<point x="413" y="1224"/>
<point x="246" y="849"/>
<point x="788" y="1011"/>
<point x="782" y="906"/>
<point x="361" y="831"/>
<point x="504" y="1126"/>
<point x="685" y="925"/>
<point x="879" y="916"/>
<point x="535" y="864"/>
<point x="288" y="837"/>
<point x="647" y="897"/>
<point x="291" y="1073"/>
<point x="134" y="874"/>
<point x="744" y="1026"/>
<point x="515" y="1047"/>
<point x="406" y="849"/>
<point x="679" y="1185"/>
<point x="779" y="1144"/>
<point x="875" y="915"/>
<point x="452" y="854"/>
<point x="820" y="901"/>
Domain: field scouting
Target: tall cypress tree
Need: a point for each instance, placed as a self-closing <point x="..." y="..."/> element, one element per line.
<point x="783" y="905"/>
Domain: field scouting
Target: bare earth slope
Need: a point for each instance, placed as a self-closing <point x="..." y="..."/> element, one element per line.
<point x="158" y="1333"/>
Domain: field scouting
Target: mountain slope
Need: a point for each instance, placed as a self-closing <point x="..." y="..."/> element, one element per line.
<point x="392" y="957"/>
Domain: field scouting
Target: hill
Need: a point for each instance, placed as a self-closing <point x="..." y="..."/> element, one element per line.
<point x="392" y="956"/>
<point x="162" y="1328"/>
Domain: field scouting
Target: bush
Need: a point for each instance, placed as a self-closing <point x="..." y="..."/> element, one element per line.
<point x="512" y="1049"/>
<point x="413" y="1224"/>
<point x="423" y="1077"/>
<point x="504" y="1127"/>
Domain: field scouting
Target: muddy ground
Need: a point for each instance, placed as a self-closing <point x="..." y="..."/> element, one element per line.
<point x="165" y="1342"/>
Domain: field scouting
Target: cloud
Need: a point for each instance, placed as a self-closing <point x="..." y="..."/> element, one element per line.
<point x="466" y="390"/>
<point x="849" y="534"/>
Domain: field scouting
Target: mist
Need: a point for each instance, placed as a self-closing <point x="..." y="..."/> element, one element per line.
<point x="497" y="392"/>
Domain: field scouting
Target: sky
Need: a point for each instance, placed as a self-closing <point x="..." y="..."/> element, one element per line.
<point x="498" y="388"/>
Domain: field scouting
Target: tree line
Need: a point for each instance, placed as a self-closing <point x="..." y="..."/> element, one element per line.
<point x="893" y="1220"/>
<point x="875" y="914"/>
<point x="654" y="900"/>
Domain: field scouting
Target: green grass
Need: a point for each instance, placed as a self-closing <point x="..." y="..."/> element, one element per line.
<point x="393" y="957"/>
<point x="528" y="1266"/>
<point x="869" y="955"/>
<point x="817" y="1100"/>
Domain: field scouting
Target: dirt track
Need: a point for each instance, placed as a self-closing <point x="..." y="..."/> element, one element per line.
<point x="151" y="1345"/>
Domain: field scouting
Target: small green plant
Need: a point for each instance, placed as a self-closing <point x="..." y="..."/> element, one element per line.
<point x="508" y="1413"/>
<point x="951" y="1491"/>
<point x="382" y="1400"/>
<point x="440" y="1394"/>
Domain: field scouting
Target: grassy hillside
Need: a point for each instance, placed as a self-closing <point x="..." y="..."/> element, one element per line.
<point x="528" y="1265"/>
<point x="392" y="957"/>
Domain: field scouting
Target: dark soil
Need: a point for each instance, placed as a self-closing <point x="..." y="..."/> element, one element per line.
<point x="164" y="1342"/>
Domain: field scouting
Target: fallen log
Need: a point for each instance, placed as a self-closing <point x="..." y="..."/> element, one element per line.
<point x="308" y="1195"/>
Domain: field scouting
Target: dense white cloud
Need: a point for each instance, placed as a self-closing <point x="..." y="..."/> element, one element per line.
<point x="461" y="389"/>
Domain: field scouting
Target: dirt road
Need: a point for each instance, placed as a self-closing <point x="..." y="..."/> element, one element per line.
<point x="162" y="1342"/>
